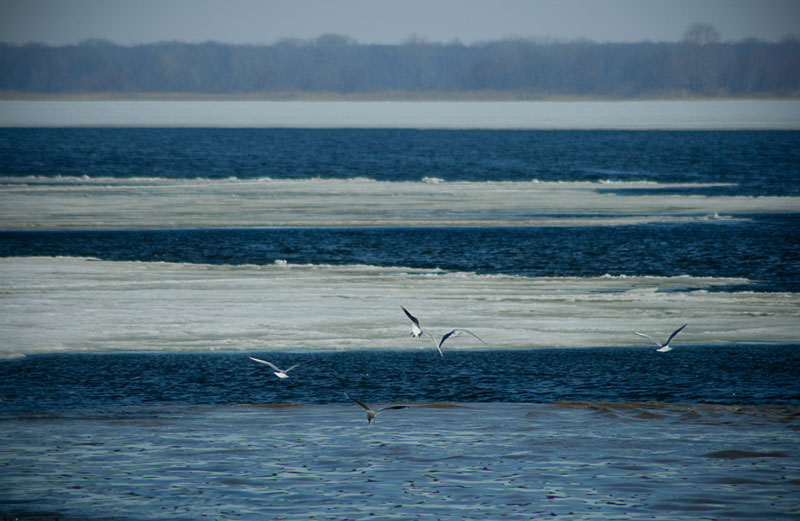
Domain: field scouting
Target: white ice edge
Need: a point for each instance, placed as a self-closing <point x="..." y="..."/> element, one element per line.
<point x="66" y="180"/>
<point x="62" y="304"/>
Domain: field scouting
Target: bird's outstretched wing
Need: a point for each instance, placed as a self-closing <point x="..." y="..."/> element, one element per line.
<point x="292" y="367"/>
<point x="648" y="336"/>
<point x="410" y="316"/>
<point x="445" y="337"/>
<point x="362" y="404"/>
<point x="393" y="407"/>
<point x="457" y="332"/>
<point x="268" y="363"/>
<point x="675" y="333"/>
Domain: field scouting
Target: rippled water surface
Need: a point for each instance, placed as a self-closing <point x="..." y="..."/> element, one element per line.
<point x="444" y="461"/>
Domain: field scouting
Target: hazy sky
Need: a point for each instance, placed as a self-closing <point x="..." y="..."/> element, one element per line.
<point x="58" y="22"/>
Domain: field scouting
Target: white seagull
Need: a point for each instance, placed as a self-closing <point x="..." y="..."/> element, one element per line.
<point x="457" y="332"/>
<point x="416" y="330"/>
<point x="280" y="373"/>
<point x="663" y="348"/>
<point x="371" y="414"/>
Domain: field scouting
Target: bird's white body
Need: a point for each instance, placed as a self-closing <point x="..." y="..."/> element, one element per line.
<point x="416" y="332"/>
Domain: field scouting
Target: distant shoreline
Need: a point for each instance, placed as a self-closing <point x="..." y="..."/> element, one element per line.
<point x="334" y="67"/>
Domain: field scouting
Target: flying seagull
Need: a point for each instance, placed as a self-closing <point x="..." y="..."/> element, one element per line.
<point x="280" y="373"/>
<point x="416" y="330"/>
<point x="457" y="332"/>
<point x="663" y="348"/>
<point x="372" y="414"/>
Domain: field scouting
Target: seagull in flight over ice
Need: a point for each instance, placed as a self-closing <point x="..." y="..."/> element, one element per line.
<point x="457" y="332"/>
<point x="416" y="330"/>
<point x="280" y="373"/>
<point x="371" y="414"/>
<point x="663" y="348"/>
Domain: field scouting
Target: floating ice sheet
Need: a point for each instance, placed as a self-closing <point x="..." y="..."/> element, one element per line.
<point x="74" y="304"/>
<point x="36" y="203"/>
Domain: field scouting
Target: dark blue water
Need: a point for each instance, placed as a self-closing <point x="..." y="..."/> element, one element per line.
<point x="763" y="248"/>
<point x="756" y="162"/>
<point x="57" y="384"/>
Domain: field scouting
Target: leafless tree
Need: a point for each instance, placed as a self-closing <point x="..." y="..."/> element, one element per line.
<point x="700" y="38"/>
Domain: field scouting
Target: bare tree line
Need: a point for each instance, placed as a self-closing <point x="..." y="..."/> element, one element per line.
<point x="700" y="65"/>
